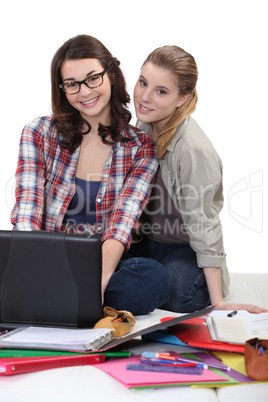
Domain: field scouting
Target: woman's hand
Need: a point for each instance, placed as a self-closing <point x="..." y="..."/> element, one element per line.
<point x="251" y="308"/>
<point x="104" y="283"/>
<point x="213" y="279"/>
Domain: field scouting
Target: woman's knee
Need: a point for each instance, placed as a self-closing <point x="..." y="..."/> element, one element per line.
<point x="140" y="284"/>
<point x="151" y="275"/>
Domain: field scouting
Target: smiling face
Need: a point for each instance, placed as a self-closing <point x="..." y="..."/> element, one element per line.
<point x="93" y="104"/>
<point x="156" y="96"/>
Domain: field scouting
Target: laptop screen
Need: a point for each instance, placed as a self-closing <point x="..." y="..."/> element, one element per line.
<point x="51" y="279"/>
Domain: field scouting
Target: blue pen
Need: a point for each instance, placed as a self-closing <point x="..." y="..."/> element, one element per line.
<point x="165" y="362"/>
<point x="174" y="363"/>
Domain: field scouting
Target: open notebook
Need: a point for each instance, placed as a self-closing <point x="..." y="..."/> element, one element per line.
<point x="237" y="327"/>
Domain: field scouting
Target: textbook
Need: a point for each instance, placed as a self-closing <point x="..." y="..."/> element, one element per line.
<point x="237" y="326"/>
<point x="57" y="338"/>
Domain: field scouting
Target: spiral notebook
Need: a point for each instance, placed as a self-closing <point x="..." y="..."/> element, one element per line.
<point x="57" y="338"/>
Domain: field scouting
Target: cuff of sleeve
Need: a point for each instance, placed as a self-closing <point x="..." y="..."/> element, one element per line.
<point x="204" y="260"/>
<point x="125" y="240"/>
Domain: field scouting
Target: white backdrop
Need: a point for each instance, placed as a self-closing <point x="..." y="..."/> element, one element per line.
<point x="228" y="39"/>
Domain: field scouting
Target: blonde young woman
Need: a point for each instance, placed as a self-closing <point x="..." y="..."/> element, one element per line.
<point x="181" y="227"/>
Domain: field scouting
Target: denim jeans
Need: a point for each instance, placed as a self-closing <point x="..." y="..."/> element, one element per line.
<point x="188" y="291"/>
<point x="138" y="285"/>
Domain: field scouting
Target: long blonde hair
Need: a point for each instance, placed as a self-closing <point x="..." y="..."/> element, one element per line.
<point x="183" y="66"/>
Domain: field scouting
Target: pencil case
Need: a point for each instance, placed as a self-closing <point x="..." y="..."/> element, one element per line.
<point x="256" y="359"/>
<point x="121" y="321"/>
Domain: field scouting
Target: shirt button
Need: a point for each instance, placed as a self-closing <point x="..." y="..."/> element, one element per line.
<point x="98" y="200"/>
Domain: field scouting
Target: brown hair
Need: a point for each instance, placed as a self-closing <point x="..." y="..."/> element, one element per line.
<point x="67" y="119"/>
<point x="184" y="68"/>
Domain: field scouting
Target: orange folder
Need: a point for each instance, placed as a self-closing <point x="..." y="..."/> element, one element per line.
<point x="195" y="333"/>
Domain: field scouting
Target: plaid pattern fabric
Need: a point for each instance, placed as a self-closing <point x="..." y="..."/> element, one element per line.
<point x="45" y="183"/>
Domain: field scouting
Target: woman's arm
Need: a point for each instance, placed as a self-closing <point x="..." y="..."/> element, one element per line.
<point x="200" y="200"/>
<point x="213" y="278"/>
<point x="112" y="251"/>
<point x="134" y="193"/>
<point x="128" y="205"/>
<point x="30" y="176"/>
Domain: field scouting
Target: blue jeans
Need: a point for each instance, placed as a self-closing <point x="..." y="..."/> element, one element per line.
<point x="188" y="291"/>
<point x="138" y="285"/>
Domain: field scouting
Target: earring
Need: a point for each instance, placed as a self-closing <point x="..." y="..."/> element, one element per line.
<point x="179" y="105"/>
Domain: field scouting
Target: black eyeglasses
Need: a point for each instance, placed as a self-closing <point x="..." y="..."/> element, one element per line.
<point x="93" y="81"/>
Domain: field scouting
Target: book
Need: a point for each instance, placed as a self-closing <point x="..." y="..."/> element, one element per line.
<point x="57" y="338"/>
<point x="237" y="327"/>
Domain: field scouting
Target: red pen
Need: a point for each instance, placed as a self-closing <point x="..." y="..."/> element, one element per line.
<point x="166" y="357"/>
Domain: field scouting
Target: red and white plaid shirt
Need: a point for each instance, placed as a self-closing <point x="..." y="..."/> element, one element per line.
<point x="45" y="183"/>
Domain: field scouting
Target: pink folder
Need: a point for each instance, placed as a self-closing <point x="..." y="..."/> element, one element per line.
<point x="130" y="378"/>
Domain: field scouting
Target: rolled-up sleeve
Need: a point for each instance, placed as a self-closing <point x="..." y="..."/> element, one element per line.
<point x="28" y="209"/>
<point x="200" y="197"/>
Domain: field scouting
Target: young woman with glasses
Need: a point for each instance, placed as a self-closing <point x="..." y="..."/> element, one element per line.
<point x="181" y="226"/>
<point x="86" y="170"/>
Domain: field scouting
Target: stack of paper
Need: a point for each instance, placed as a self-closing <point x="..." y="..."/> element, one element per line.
<point x="57" y="338"/>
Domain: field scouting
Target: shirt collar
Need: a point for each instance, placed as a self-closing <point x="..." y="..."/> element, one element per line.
<point x="147" y="127"/>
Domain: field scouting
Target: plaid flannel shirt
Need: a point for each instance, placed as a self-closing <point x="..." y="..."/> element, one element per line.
<point x="45" y="183"/>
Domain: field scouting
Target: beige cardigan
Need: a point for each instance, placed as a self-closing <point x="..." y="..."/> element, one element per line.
<point x="192" y="173"/>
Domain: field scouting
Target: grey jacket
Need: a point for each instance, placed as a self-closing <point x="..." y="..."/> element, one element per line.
<point x="192" y="173"/>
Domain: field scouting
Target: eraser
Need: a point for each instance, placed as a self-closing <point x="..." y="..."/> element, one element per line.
<point x="148" y="354"/>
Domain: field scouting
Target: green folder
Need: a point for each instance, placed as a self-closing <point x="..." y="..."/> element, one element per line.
<point x="32" y="352"/>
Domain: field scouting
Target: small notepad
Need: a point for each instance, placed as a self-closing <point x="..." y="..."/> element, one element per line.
<point x="57" y="338"/>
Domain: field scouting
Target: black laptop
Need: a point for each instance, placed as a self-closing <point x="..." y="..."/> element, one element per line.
<point x="49" y="279"/>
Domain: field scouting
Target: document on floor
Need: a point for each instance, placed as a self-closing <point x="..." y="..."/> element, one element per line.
<point x="237" y="326"/>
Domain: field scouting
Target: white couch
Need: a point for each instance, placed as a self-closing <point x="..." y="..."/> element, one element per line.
<point x="87" y="383"/>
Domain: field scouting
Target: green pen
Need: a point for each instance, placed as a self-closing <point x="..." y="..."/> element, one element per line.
<point x="31" y="353"/>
